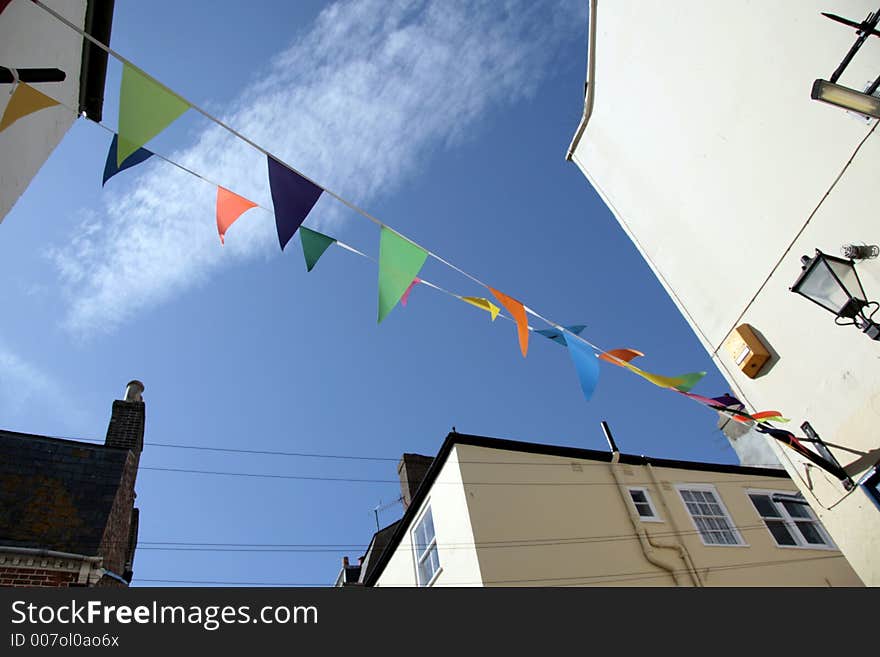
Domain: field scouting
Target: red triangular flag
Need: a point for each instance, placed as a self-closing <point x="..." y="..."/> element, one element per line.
<point x="230" y="206"/>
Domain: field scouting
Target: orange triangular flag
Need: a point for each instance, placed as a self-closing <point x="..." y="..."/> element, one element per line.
<point x="25" y="100"/>
<point x="616" y="355"/>
<point x="518" y="312"/>
<point x="230" y="206"/>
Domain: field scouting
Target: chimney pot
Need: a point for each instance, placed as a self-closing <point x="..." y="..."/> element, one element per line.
<point x="134" y="391"/>
<point x="345" y="562"/>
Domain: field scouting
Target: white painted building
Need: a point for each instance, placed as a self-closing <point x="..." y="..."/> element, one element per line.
<point x="700" y="134"/>
<point x="34" y="43"/>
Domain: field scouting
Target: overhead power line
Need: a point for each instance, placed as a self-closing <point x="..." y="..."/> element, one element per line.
<point x="260" y="475"/>
<point x="355" y="457"/>
<point x="556" y="581"/>
<point x="185" y="546"/>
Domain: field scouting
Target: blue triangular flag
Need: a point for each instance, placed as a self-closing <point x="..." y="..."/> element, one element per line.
<point x="293" y="197"/>
<point x="586" y="364"/>
<point x="556" y="334"/>
<point x="110" y="168"/>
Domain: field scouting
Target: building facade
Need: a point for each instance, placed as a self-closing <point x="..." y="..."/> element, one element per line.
<point x="700" y="134"/>
<point x="492" y="512"/>
<point x="58" y="62"/>
<point x="67" y="514"/>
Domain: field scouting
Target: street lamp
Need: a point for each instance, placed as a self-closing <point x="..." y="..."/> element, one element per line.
<point x="828" y="91"/>
<point x="850" y="99"/>
<point x="833" y="284"/>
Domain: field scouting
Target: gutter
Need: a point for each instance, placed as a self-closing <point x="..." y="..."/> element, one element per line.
<point x="51" y="554"/>
<point x="94" y="563"/>
<point x="93" y="66"/>
<point x="589" y="85"/>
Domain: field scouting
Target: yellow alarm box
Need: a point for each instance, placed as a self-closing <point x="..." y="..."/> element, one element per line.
<point x="747" y="351"/>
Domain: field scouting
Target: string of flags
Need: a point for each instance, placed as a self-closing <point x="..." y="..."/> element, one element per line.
<point x="147" y="108"/>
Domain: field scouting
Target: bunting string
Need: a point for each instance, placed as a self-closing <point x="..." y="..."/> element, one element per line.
<point x="400" y="259"/>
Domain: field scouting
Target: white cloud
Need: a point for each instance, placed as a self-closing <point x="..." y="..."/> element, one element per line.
<point x="357" y="104"/>
<point x="23" y="385"/>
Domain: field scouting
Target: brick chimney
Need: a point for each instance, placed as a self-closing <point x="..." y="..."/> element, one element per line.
<point x="126" y="428"/>
<point x="412" y="470"/>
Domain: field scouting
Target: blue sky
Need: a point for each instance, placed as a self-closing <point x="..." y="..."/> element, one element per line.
<point x="450" y="122"/>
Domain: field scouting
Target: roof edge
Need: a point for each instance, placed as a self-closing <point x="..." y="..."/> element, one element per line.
<point x="70" y="441"/>
<point x="98" y="22"/>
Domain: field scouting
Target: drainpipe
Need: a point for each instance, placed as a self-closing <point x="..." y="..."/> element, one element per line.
<point x="590" y="84"/>
<point x="647" y="545"/>
<point x="682" y="550"/>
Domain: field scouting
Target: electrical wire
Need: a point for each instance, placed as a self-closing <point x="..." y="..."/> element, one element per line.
<point x="567" y="464"/>
<point x="397" y="481"/>
<point x="598" y="578"/>
<point x="183" y="546"/>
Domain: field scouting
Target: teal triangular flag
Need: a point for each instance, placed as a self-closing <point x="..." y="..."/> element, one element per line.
<point x="557" y="336"/>
<point x="314" y="244"/>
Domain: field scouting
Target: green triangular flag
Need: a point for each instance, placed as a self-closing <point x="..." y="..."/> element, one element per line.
<point x="688" y="381"/>
<point x="314" y="245"/>
<point x="146" y="108"/>
<point x="399" y="263"/>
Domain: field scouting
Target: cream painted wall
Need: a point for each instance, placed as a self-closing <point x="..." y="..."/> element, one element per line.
<point x="507" y="518"/>
<point x="589" y="540"/>
<point x="31" y="38"/>
<point x="455" y="539"/>
<point x="533" y="534"/>
<point x="706" y="145"/>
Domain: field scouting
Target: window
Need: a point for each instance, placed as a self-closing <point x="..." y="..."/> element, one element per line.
<point x="789" y="519"/>
<point x="871" y="484"/>
<point x="709" y="515"/>
<point x="425" y="546"/>
<point x="644" y="507"/>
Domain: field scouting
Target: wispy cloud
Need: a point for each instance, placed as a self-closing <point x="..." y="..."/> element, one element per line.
<point x="23" y="385"/>
<point x="363" y="98"/>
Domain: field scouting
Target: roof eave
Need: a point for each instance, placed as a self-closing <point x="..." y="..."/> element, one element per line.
<point x="93" y="67"/>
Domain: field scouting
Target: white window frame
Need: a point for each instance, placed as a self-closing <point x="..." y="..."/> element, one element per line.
<point x="433" y="543"/>
<point x="729" y="518"/>
<point x="655" y="517"/>
<point x="791" y="522"/>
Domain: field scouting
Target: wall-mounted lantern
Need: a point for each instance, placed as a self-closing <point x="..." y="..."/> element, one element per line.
<point x="828" y="91"/>
<point x="833" y="284"/>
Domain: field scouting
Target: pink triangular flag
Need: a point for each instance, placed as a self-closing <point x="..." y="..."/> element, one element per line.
<point x="405" y="296"/>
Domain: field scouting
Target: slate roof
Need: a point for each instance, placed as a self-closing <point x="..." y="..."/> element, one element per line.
<point x="376" y="549"/>
<point x="56" y="494"/>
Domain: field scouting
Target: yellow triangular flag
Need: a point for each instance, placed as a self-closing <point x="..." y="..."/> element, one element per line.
<point x="25" y="100"/>
<point x="483" y="304"/>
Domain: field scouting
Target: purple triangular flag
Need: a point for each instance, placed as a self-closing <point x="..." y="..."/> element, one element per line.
<point x="728" y="401"/>
<point x="293" y="197"/>
<point x="110" y="167"/>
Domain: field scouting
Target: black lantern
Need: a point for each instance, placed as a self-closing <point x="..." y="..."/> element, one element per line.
<point x="834" y="284"/>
